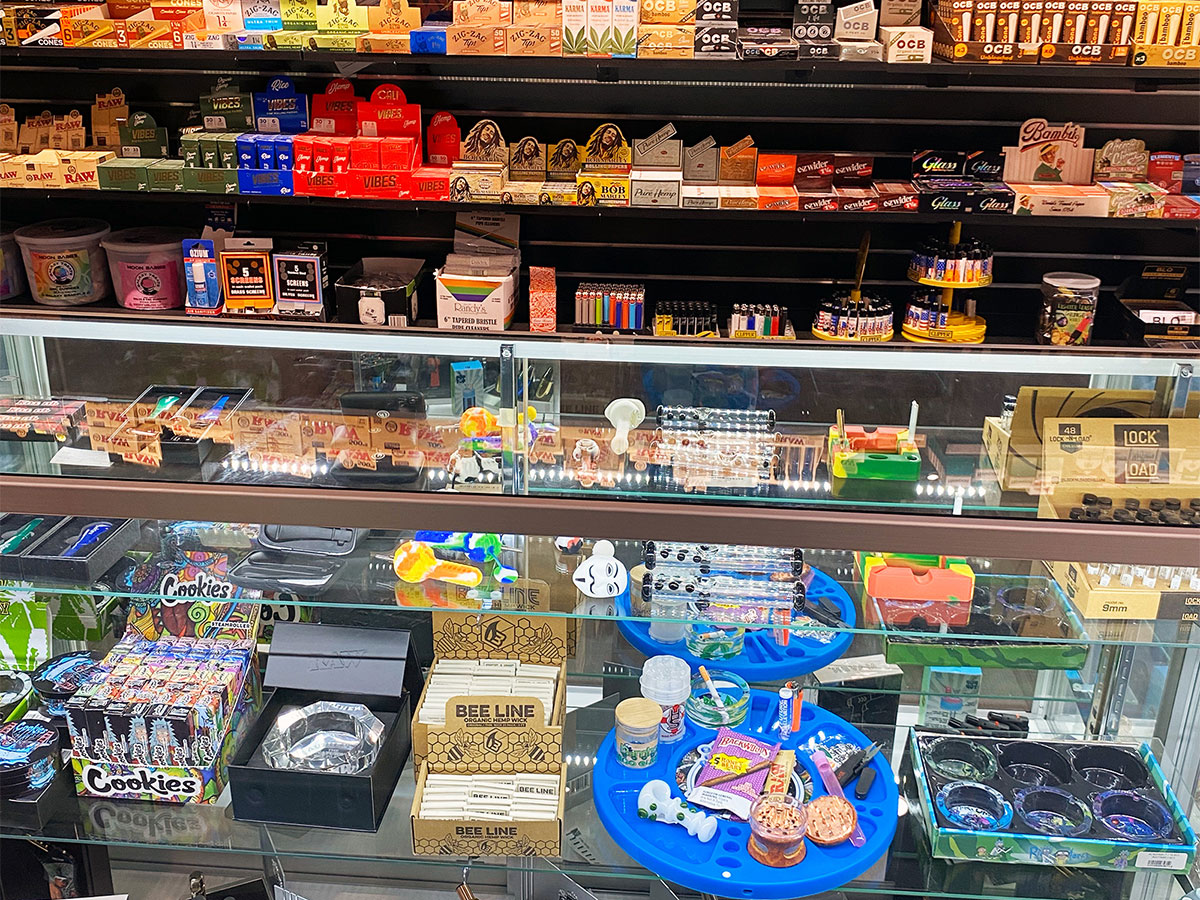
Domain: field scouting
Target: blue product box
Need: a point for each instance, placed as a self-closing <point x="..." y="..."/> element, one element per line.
<point x="200" y="275"/>
<point x="428" y="39"/>
<point x="283" y="151"/>
<point x="280" y="110"/>
<point x="247" y="151"/>
<point x="265" y="146"/>
<point x="265" y="182"/>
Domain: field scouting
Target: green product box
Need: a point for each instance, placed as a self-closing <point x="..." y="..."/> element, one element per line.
<point x="210" y="151"/>
<point x="122" y="174"/>
<point x="948" y="692"/>
<point x="227" y="157"/>
<point x="166" y="175"/>
<point x="210" y="181"/>
<point x="227" y="109"/>
<point x="190" y="145"/>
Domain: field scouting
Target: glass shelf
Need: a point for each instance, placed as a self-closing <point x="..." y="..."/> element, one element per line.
<point x="588" y="852"/>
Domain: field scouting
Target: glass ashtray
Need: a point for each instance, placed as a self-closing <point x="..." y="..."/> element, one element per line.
<point x="1130" y="815"/>
<point x="1035" y="764"/>
<point x="1051" y="810"/>
<point x="340" y="738"/>
<point x="974" y="806"/>
<point x="961" y="760"/>
<point x="702" y="708"/>
<point x="1110" y="768"/>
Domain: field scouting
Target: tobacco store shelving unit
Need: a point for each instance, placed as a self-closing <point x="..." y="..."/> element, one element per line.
<point x="984" y="493"/>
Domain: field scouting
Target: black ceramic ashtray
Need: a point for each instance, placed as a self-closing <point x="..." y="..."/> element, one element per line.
<point x="1050" y="810"/>
<point x="1131" y="816"/>
<point x="961" y="759"/>
<point x="1035" y="764"/>
<point x="978" y="807"/>
<point x="1110" y="768"/>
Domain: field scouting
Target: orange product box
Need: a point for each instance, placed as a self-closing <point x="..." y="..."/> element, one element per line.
<point x="364" y="152"/>
<point x="482" y="12"/>
<point x="339" y="159"/>
<point x="776" y="197"/>
<point x="431" y="183"/>
<point x="398" y="153"/>
<point x="533" y="40"/>
<point x="537" y="12"/>
<point x="476" y="40"/>
<point x="776" y="169"/>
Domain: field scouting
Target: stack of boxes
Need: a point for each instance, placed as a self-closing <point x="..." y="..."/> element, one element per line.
<point x="503" y="28"/>
<point x="681" y="29"/>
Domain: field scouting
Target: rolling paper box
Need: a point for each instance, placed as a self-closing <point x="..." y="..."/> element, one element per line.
<point x="948" y="692"/>
<point x="376" y="668"/>
<point x="496" y="734"/>
<point x="475" y="837"/>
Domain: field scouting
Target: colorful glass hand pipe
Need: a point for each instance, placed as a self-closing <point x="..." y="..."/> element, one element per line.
<point x="415" y="562"/>
<point x="477" y="546"/>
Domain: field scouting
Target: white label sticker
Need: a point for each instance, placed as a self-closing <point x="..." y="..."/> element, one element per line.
<point x="267" y="124"/>
<point x="216" y="123"/>
<point x="324" y="126"/>
<point x="1157" y="859"/>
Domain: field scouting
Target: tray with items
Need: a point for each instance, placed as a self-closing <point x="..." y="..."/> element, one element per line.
<point x="1056" y="803"/>
<point x="741" y="810"/>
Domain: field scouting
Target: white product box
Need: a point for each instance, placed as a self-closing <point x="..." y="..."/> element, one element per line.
<point x="899" y="12"/>
<point x="655" y="187"/>
<point x="462" y="305"/>
<point x="574" y="23"/>
<point x="856" y="21"/>
<point x="599" y="27"/>
<point x="906" y="43"/>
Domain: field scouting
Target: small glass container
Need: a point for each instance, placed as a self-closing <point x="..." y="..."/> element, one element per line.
<point x="1068" y="308"/>
<point x="674" y="609"/>
<point x="960" y="759"/>
<point x="778" y="823"/>
<point x="709" y="641"/>
<point x="702" y="709"/>
<point x="637" y="732"/>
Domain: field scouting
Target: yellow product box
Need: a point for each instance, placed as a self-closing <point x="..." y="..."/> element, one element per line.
<point x="522" y="193"/>
<point x="738" y="196"/>
<point x="482" y="12"/>
<point x="80" y="167"/>
<point x="10" y="171"/>
<point x="668" y="12"/>
<point x="533" y="40"/>
<point x="42" y="169"/>
<point x="556" y="193"/>
<point x="311" y="40"/>
<point x="1152" y="55"/>
<point x="537" y="12"/>
<point x="344" y="16"/>
<point x="1170" y="24"/>
<point x="383" y="43"/>
<point x="393" y="17"/>
<point x="599" y="189"/>
<point x="666" y="41"/>
<point x="486" y="837"/>
<point x="1089" y="451"/>
<point x="298" y="15"/>
<point x="1116" y="601"/>
<point x="477" y="181"/>
<point x="90" y="29"/>
<point x="475" y="40"/>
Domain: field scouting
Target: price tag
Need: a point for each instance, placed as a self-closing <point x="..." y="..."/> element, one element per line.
<point x="1158" y="859"/>
<point x="214" y="123"/>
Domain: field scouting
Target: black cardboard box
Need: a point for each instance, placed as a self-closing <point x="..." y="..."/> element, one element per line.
<point x="45" y="560"/>
<point x="309" y="663"/>
<point x="37" y="809"/>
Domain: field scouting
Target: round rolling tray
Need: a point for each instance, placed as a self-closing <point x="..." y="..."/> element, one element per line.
<point x="762" y="659"/>
<point x="723" y="866"/>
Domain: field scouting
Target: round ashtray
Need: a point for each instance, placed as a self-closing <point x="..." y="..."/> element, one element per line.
<point x="1130" y="815"/>
<point x="1051" y="810"/>
<point x="1035" y="764"/>
<point x="342" y="738"/>
<point x="14" y="688"/>
<point x="57" y="680"/>
<point x="1110" y="768"/>
<point x="1025" y="600"/>
<point x="978" y="807"/>
<point x="702" y="709"/>
<point x="961" y="760"/>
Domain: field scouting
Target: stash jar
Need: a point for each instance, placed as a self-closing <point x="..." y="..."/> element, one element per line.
<point x="1068" y="308"/>
<point x="778" y="823"/>
<point x="637" y="732"/>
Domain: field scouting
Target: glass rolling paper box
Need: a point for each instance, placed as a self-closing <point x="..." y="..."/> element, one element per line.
<point x="171" y="701"/>
<point x="335" y="731"/>
<point x="490" y="777"/>
<point x="1050" y="803"/>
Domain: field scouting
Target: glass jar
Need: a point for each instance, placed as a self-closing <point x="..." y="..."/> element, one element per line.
<point x="637" y="732"/>
<point x="1068" y="308"/>
<point x="778" y="824"/>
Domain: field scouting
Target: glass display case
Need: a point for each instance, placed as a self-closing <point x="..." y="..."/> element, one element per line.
<point x="946" y="601"/>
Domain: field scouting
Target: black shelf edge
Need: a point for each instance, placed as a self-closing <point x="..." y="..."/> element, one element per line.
<point x="938" y="74"/>
<point x="435" y="207"/>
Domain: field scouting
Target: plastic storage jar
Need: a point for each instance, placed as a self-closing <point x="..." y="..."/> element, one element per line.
<point x="667" y="680"/>
<point x="12" y="270"/>
<point x="147" y="267"/>
<point x="64" y="261"/>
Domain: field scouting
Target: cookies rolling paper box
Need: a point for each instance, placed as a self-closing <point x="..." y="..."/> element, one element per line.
<point x="225" y="623"/>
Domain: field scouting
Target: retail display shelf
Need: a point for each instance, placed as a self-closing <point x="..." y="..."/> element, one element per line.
<point x="776" y="71"/>
<point x="905" y="870"/>
<point x="71" y="195"/>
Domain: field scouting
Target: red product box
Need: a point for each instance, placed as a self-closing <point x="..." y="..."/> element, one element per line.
<point x="364" y="153"/>
<point x="431" y="183"/>
<point x="398" y="153"/>
<point x="775" y="169"/>
<point x="814" y="172"/>
<point x="340" y="155"/>
<point x="1166" y="170"/>
<point x="852" y="169"/>
<point x="1178" y="206"/>
<point x="322" y="154"/>
<point x="318" y="184"/>
<point x="775" y="197"/>
<point x="816" y="201"/>
<point x="302" y="153"/>
<point x="857" y="199"/>
<point x="376" y="183"/>
<point x="896" y="196"/>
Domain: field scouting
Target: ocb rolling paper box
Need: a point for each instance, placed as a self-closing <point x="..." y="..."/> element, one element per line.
<point x="1075" y="23"/>
<point x="667" y="41"/>
<point x="1030" y="26"/>
<point x="958" y="17"/>
<point x="1145" y="30"/>
<point x="1170" y="24"/>
<point x="983" y="26"/>
<point x="1120" y="27"/>
<point x="1008" y="22"/>
<point x="1099" y="18"/>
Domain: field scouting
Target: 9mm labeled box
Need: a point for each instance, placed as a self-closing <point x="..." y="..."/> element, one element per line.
<point x="495" y="734"/>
